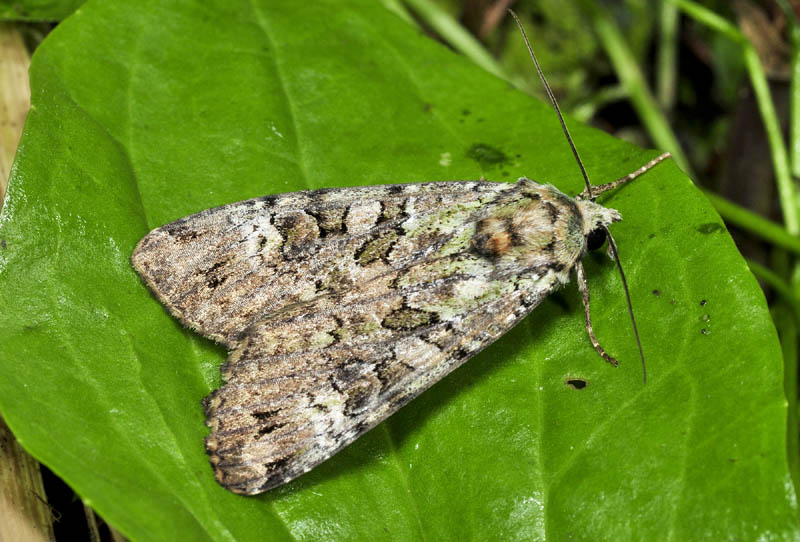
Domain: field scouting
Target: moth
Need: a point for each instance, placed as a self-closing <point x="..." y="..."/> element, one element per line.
<point x="339" y="306"/>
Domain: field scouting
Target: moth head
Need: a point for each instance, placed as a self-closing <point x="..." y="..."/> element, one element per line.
<point x="595" y="220"/>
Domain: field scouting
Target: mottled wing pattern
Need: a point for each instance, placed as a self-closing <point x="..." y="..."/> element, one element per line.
<point x="309" y="380"/>
<point x="340" y="306"/>
<point x="221" y="269"/>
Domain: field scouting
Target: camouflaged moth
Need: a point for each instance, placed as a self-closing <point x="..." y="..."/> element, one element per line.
<point x="339" y="306"/>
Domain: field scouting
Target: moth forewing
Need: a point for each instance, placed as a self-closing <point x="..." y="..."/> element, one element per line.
<point x="340" y="306"/>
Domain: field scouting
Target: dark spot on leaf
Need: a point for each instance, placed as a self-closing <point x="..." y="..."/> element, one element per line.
<point x="656" y="293"/>
<point x="703" y="303"/>
<point x="486" y="155"/>
<point x="704" y="331"/>
<point x="576" y="383"/>
<point x="465" y="112"/>
<point x="710" y="227"/>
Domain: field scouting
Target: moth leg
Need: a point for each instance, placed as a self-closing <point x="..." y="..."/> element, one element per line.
<point x="584" y="288"/>
<point x="600" y="188"/>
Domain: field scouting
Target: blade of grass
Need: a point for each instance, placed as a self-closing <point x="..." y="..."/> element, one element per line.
<point x="754" y="223"/>
<point x="599" y="98"/>
<point x="399" y="9"/>
<point x="794" y="95"/>
<point x="456" y="35"/>
<point x="633" y="80"/>
<point x="667" y="57"/>
<point x="786" y="188"/>
<point x="774" y="281"/>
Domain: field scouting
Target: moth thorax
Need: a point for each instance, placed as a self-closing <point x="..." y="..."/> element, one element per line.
<point x="493" y="237"/>
<point x="528" y="228"/>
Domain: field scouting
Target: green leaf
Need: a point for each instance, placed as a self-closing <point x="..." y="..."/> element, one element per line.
<point x="142" y="115"/>
<point x="37" y="10"/>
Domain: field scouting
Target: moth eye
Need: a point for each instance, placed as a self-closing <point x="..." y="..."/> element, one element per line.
<point x="596" y="238"/>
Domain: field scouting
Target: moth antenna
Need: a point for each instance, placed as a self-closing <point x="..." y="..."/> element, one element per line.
<point x="612" y="247"/>
<point x="600" y="188"/>
<point x="555" y="105"/>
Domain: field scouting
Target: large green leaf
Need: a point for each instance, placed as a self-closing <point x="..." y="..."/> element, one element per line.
<point x="145" y="113"/>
